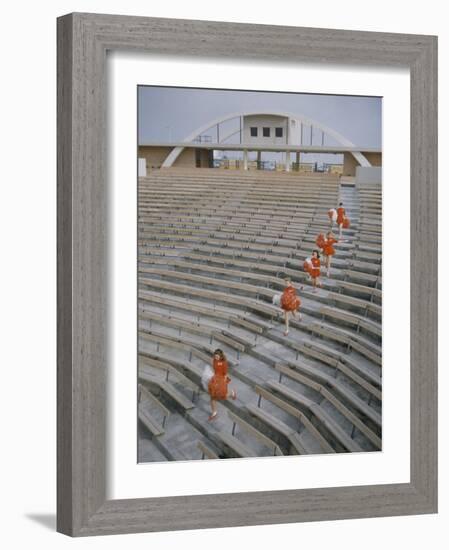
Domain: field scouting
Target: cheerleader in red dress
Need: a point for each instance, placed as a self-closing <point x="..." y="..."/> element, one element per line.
<point x="329" y="250"/>
<point x="342" y="219"/>
<point x="290" y="302"/>
<point x="312" y="266"/>
<point x="315" y="272"/>
<point x="218" y="384"/>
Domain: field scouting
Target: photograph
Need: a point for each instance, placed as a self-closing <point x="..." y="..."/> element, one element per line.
<point x="259" y="247"/>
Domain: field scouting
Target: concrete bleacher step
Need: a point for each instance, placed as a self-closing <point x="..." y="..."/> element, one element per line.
<point x="279" y="427"/>
<point x="218" y="334"/>
<point x="216" y="271"/>
<point x="154" y="413"/>
<point x="168" y="389"/>
<point x="372" y="280"/>
<point x="193" y="346"/>
<point x="320" y="367"/>
<point x="309" y="437"/>
<point x="180" y="440"/>
<point x="353" y="370"/>
<point x="316" y="375"/>
<point x="252" y="431"/>
<point x="236" y="448"/>
<point x="349" y="339"/>
<point x="148" y="365"/>
<point x="351" y="319"/>
<point x="345" y="303"/>
<point x="360" y="290"/>
<point x="325" y="423"/>
<point x="347" y="413"/>
<point x="149" y="422"/>
<point x="356" y="303"/>
<point x="207" y="451"/>
<point x="200" y="309"/>
<point x="231" y="441"/>
<point x="147" y="450"/>
<point x="312" y="377"/>
<point x="217" y="296"/>
<point x="174" y="441"/>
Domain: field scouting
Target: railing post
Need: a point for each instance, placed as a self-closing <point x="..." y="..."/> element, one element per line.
<point x="245" y="159"/>
<point x="287" y="161"/>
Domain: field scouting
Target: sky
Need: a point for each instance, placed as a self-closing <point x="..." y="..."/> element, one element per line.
<point x="170" y="114"/>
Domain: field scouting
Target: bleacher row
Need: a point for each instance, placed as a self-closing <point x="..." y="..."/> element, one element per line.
<point x="213" y="249"/>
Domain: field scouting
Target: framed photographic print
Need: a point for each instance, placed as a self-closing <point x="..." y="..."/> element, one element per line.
<point x="246" y="274"/>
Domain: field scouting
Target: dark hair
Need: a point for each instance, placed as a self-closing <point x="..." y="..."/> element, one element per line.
<point x="219" y="352"/>
<point x="317" y="252"/>
<point x="341" y="204"/>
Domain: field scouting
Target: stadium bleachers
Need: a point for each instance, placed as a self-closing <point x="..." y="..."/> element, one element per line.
<point x="213" y="248"/>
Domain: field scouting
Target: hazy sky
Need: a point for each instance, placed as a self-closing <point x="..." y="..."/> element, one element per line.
<point x="170" y="114"/>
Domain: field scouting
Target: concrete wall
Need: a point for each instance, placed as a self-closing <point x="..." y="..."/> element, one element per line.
<point x="374" y="158"/>
<point x="261" y="121"/>
<point x="186" y="159"/>
<point x="365" y="175"/>
<point x="155" y="156"/>
<point x="350" y="164"/>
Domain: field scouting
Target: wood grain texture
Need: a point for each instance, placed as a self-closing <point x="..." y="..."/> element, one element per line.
<point x="424" y="276"/>
<point x="64" y="278"/>
<point x="83" y="40"/>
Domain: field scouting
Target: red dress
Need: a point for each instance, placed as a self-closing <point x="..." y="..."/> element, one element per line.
<point x="315" y="271"/>
<point x="289" y="299"/>
<point x="218" y="384"/>
<point x="328" y="248"/>
<point x="340" y="215"/>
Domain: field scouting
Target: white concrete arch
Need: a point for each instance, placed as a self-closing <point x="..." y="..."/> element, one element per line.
<point x="174" y="154"/>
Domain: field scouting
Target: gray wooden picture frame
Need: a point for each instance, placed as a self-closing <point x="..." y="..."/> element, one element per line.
<point x="83" y="40"/>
